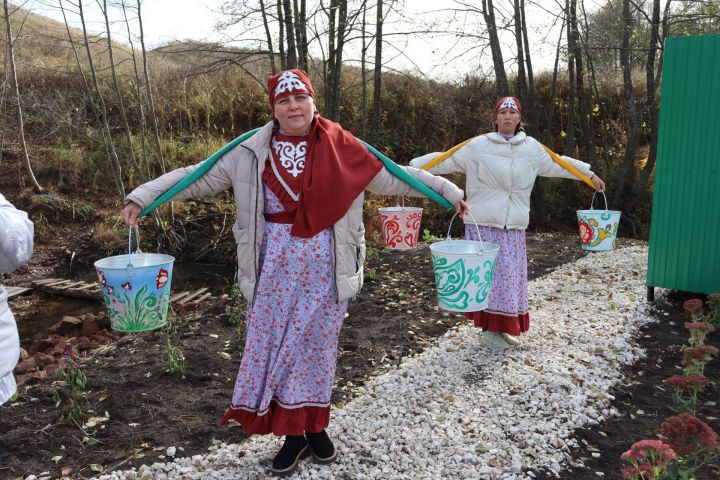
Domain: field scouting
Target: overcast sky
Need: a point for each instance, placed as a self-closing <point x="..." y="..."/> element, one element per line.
<point x="168" y="20"/>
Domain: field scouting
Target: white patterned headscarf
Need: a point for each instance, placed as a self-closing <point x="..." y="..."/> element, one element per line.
<point x="507" y="102"/>
<point x="289" y="82"/>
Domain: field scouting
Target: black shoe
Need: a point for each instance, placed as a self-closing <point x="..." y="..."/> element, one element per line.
<point x="321" y="447"/>
<point x="293" y="450"/>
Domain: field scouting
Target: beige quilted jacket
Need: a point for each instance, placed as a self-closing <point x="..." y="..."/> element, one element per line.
<point x="242" y="167"/>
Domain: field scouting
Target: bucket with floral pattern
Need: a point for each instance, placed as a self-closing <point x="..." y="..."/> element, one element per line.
<point x="598" y="228"/>
<point x="400" y="226"/>
<point x="136" y="290"/>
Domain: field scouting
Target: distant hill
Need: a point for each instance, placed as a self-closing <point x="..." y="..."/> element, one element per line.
<point x="42" y="41"/>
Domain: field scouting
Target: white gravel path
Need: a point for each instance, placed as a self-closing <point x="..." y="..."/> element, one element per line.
<point x="458" y="410"/>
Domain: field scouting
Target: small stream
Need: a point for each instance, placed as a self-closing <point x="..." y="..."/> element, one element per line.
<point x="36" y="313"/>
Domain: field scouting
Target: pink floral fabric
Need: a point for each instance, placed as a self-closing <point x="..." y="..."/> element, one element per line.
<point x="509" y="292"/>
<point x="293" y="323"/>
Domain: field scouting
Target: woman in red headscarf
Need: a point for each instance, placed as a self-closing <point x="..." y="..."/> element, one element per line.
<point x="298" y="184"/>
<point x="501" y="168"/>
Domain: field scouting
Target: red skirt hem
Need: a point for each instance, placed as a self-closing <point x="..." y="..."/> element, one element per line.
<point x="498" y="323"/>
<point x="279" y="420"/>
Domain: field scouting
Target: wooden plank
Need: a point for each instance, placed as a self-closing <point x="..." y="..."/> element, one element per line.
<point x="56" y="284"/>
<point x="45" y="281"/>
<point x="204" y="297"/>
<point x="192" y="295"/>
<point x="61" y="291"/>
<point x="178" y="296"/>
<point x="13" y="292"/>
<point x="93" y="290"/>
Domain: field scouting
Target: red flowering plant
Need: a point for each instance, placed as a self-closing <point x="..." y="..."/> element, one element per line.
<point x="695" y="358"/>
<point x="698" y="332"/>
<point x="693" y="307"/>
<point x="694" y="441"/>
<point x="648" y="459"/>
<point x="685" y="391"/>
<point x="713" y="303"/>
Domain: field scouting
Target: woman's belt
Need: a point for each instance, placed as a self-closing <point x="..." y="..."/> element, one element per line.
<point x="281" y="217"/>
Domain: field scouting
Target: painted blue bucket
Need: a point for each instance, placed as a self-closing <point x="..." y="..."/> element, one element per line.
<point x="598" y="228"/>
<point x="136" y="289"/>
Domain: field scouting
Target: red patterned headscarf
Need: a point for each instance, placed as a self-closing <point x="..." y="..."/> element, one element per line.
<point x="289" y="82"/>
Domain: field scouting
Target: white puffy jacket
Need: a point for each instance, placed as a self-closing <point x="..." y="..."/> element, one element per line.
<point x="16" y="245"/>
<point x="500" y="175"/>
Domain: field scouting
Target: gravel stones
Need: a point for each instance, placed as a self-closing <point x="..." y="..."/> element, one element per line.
<point x="462" y="410"/>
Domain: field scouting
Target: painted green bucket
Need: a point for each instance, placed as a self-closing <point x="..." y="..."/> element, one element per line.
<point x="463" y="272"/>
<point x="136" y="289"/>
<point x="598" y="228"/>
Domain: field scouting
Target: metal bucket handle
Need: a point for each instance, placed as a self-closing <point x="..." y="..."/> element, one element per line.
<point x="593" y="201"/>
<point x="449" y="238"/>
<point x="137" y="243"/>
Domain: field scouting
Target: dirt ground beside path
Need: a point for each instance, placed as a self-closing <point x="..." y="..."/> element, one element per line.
<point x="141" y="411"/>
<point x="643" y="402"/>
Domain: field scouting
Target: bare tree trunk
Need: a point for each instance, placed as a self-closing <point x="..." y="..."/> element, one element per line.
<point x="281" y="36"/>
<point x="18" y="107"/>
<point x="652" y="105"/>
<point x="336" y="42"/>
<point x="604" y="154"/>
<point x="363" y="76"/>
<point x="568" y="187"/>
<point x="138" y="95"/>
<point x="342" y="25"/>
<point x="329" y="62"/>
<point x="537" y="196"/>
<point x="266" y="24"/>
<point x="570" y="129"/>
<point x="113" y="159"/>
<point x="116" y="86"/>
<point x="301" y="34"/>
<point x="289" y="31"/>
<point x="377" y="74"/>
<point x="626" y="173"/>
<point x="488" y="11"/>
<point x="553" y="89"/>
<point x="531" y="113"/>
<point x="148" y="92"/>
<point x="88" y="89"/>
<point x="587" y="130"/>
<point x="665" y="33"/>
<point x="521" y="78"/>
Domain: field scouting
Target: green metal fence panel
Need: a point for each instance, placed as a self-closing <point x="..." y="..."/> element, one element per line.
<point x="684" y="249"/>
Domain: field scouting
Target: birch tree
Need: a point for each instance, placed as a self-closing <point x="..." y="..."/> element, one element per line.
<point x="18" y="104"/>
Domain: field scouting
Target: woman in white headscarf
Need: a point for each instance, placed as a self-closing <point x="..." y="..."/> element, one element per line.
<point x="501" y="168"/>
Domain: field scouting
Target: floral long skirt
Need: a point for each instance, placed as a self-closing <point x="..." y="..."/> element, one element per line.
<point x="288" y="365"/>
<point x="508" y="308"/>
